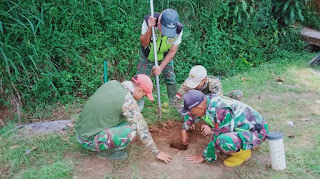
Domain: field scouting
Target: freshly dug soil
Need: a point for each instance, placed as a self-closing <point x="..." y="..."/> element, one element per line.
<point x="178" y="145"/>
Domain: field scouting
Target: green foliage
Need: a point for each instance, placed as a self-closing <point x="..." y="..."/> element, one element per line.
<point x="53" y="51"/>
<point x="225" y="45"/>
<point x="289" y="11"/>
<point x="312" y="15"/>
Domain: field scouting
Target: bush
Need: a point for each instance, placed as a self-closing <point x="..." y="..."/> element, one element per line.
<point x="53" y="51"/>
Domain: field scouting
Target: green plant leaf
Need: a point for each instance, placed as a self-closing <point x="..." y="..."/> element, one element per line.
<point x="286" y="20"/>
<point x="1" y="28"/>
<point x="285" y="7"/>
<point x="236" y="11"/>
<point x="251" y="10"/>
<point x="239" y="18"/>
<point x="292" y="17"/>
<point x="297" y="5"/>
<point x="301" y="18"/>
<point x="244" y="6"/>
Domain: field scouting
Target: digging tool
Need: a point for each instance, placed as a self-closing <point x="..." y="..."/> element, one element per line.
<point x="105" y="74"/>
<point x="155" y="60"/>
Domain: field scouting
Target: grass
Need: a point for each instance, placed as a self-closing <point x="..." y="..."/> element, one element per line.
<point x="59" y="155"/>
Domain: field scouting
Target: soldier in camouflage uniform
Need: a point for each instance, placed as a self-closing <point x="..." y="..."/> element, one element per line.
<point x="237" y="127"/>
<point x="199" y="80"/>
<point x="111" y="119"/>
<point x="168" y="31"/>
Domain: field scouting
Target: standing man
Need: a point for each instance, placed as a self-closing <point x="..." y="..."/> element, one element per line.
<point x="111" y="119"/>
<point x="237" y="128"/>
<point x="168" y="32"/>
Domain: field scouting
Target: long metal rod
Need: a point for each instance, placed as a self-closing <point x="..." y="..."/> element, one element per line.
<point x="155" y="60"/>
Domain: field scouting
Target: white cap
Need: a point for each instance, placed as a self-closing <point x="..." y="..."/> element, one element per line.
<point x="196" y="75"/>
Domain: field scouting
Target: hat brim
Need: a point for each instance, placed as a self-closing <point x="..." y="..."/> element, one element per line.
<point x="184" y="112"/>
<point x="191" y="84"/>
<point x="169" y="32"/>
<point x="150" y="97"/>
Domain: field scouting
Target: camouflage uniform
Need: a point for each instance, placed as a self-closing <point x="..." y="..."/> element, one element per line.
<point x="117" y="137"/>
<point x="145" y="67"/>
<point x="120" y="136"/>
<point x="236" y="126"/>
<point x="213" y="85"/>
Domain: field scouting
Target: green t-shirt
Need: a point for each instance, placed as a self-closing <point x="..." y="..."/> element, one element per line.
<point x="102" y="110"/>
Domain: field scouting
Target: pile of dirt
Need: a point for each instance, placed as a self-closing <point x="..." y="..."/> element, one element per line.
<point x="169" y="132"/>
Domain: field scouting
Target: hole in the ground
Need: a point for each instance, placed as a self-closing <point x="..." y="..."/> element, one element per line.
<point x="178" y="145"/>
<point x="168" y="134"/>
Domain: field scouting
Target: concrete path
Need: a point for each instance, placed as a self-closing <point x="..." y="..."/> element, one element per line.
<point x="311" y="36"/>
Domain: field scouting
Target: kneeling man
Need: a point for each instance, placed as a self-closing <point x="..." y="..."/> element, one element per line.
<point x="111" y="119"/>
<point x="237" y="128"/>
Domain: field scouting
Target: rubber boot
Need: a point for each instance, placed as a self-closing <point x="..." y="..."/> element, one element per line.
<point x="112" y="154"/>
<point x="237" y="158"/>
<point x="172" y="91"/>
<point x="141" y="104"/>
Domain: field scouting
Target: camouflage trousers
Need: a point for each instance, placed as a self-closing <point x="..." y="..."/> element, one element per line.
<point x="232" y="142"/>
<point x="117" y="137"/>
<point x="145" y="66"/>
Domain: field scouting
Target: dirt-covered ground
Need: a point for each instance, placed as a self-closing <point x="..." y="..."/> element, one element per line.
<point x="141" y="163"/>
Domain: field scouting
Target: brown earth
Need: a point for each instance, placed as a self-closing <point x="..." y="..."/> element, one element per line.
<point x="141" y="164"/>
<point x="5" y="114"/>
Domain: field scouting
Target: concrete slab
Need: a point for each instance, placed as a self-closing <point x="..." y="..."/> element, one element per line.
<point x="311" y="36"/>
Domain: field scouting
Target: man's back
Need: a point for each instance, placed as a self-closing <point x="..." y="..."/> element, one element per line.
<point x="102" y="110"/>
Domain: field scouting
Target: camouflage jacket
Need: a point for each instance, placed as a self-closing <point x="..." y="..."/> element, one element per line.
<point x="132" y="113"/>
<point x="227" y="115"/>
<point x="213" y="85"/>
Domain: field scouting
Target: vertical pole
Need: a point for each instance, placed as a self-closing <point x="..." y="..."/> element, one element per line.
<point x="105" y="66"/>
<point x="155" y="60"/>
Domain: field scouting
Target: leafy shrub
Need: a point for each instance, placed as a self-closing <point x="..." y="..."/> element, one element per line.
<point x="288" y="11"/>
<point x="312" y="15"/>
<point x="53" y="51"/>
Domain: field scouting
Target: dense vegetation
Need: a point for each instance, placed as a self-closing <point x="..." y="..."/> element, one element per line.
<point x="53" y="51"/>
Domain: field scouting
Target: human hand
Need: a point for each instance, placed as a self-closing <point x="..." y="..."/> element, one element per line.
<point x="157" y="70"/>
<point x="151" y="22"/>
<point x="195" y="158"/>
<point x="193" y="127"/>
<point x="205" y="130"/>
<point x="184" y="137"/>
<point x="164" y="157"/>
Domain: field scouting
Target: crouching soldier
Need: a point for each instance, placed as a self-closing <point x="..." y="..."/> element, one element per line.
<point x="111" y="119"/>
<point x="237" y="128"/>
<point x="199" y="80"/>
